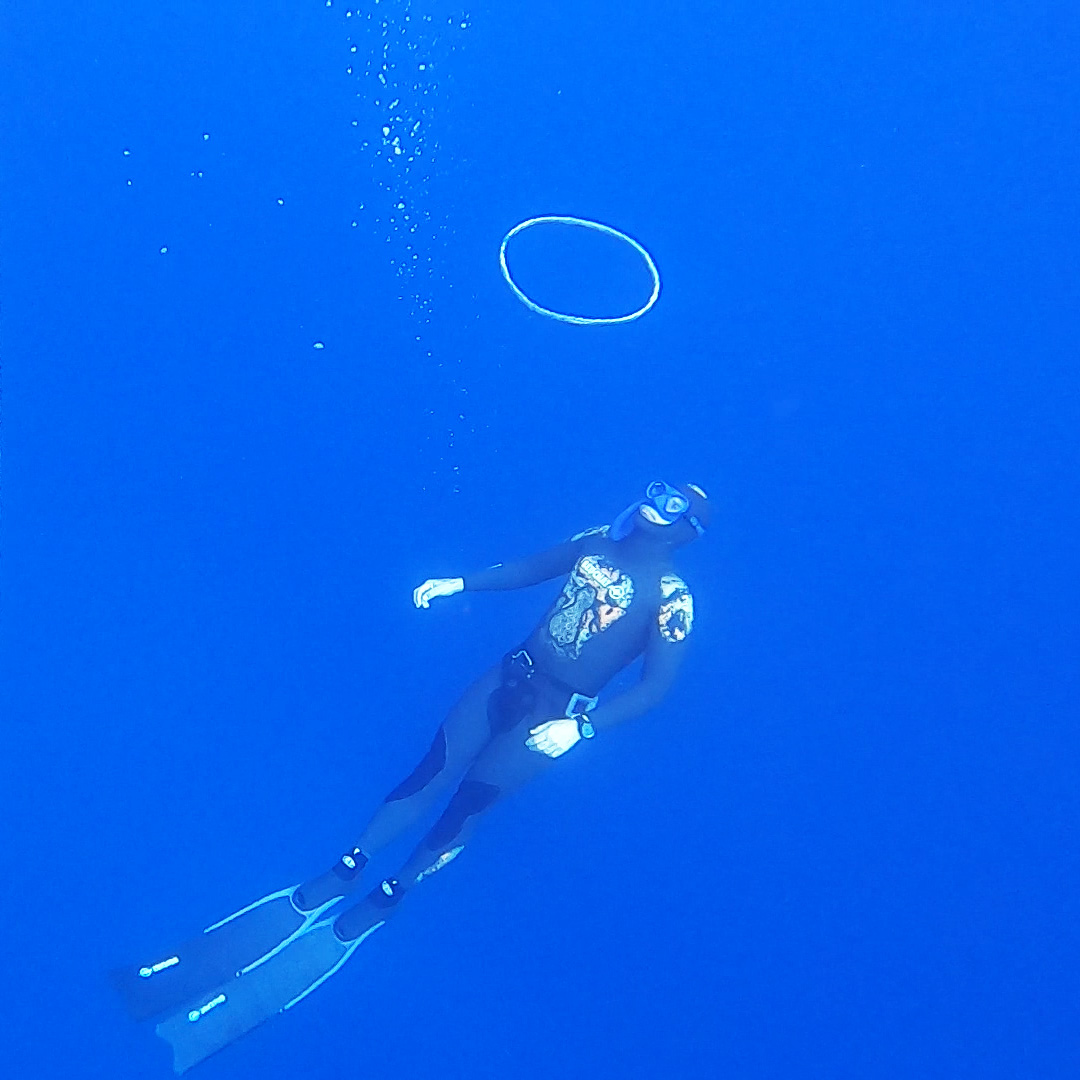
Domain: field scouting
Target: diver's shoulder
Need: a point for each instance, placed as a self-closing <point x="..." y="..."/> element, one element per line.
<point x="675" y="616"/>
<point x="672" y="584"/>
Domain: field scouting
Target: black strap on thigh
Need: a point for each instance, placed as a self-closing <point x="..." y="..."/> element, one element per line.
<point x="513" y="699"/>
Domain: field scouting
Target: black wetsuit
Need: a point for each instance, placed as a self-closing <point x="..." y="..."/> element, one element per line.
<point x="621" y="600"/>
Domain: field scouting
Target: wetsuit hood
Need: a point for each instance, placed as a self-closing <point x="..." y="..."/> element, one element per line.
<point x="664" y="516"/>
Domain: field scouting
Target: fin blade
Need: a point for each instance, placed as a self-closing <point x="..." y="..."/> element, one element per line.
<point x="208" y="960"/>
<point x="223" y="1015"/>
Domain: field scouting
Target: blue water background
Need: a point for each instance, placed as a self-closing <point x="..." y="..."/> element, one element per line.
<point x="846" y="844"/>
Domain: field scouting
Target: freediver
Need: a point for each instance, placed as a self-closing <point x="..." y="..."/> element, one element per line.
<point x="621" y="600"/>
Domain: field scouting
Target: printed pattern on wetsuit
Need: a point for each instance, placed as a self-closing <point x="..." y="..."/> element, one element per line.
<point x="676" y="614"/>
<point x="596" y="595"/>
<point x="593" y="530"/>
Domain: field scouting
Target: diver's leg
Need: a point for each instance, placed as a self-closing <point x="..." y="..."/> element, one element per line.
<point x="505" y="765"/>
<point x="458" y="741"/>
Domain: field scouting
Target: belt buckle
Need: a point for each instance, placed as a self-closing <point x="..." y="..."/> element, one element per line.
<point x="580" y="703"/>
<point x="523" y="662"/>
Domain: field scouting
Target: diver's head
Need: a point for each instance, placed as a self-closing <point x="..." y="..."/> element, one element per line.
<point x="667" y="514"/>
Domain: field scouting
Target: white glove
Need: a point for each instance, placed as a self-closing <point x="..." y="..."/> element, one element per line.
<point x="555" y="737"/>
<point x="440" y="586"/>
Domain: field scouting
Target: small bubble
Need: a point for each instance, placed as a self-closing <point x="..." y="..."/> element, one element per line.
<point x="319" y="344"/>
<point x="127" y="153"/>
<point x="164" y="250"/>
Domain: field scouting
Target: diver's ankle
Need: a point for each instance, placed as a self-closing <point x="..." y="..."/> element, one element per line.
<point x="319" y="891"/>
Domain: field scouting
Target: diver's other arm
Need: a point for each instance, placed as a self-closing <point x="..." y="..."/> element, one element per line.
<point x="433" y="587"/>
<point x="554" y="562"/>
<point x="663" y="659"/>
<point x="557" y="736"/>
<point x="662" y="662"/>
<point x="547" y="564"/>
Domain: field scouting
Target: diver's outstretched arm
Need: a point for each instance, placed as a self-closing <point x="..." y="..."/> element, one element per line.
<point x="554" y="562"/>
<point x="433" y="587"/>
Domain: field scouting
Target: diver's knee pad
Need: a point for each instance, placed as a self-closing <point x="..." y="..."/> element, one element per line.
<point x="433" y="763"/>
<point x="473" y="797"/>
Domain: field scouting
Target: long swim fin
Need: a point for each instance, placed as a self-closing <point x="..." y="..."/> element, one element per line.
<point x="236" y="944"/>
<point x="218" y="1017"/>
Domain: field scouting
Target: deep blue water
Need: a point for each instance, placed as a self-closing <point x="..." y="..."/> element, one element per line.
<point x="846" y="846"/>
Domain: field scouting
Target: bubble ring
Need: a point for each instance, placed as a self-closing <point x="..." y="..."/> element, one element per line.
<point x="585" y="223"/>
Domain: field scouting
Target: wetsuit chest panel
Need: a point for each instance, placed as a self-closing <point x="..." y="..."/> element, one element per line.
<point x="596" y="595"/>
